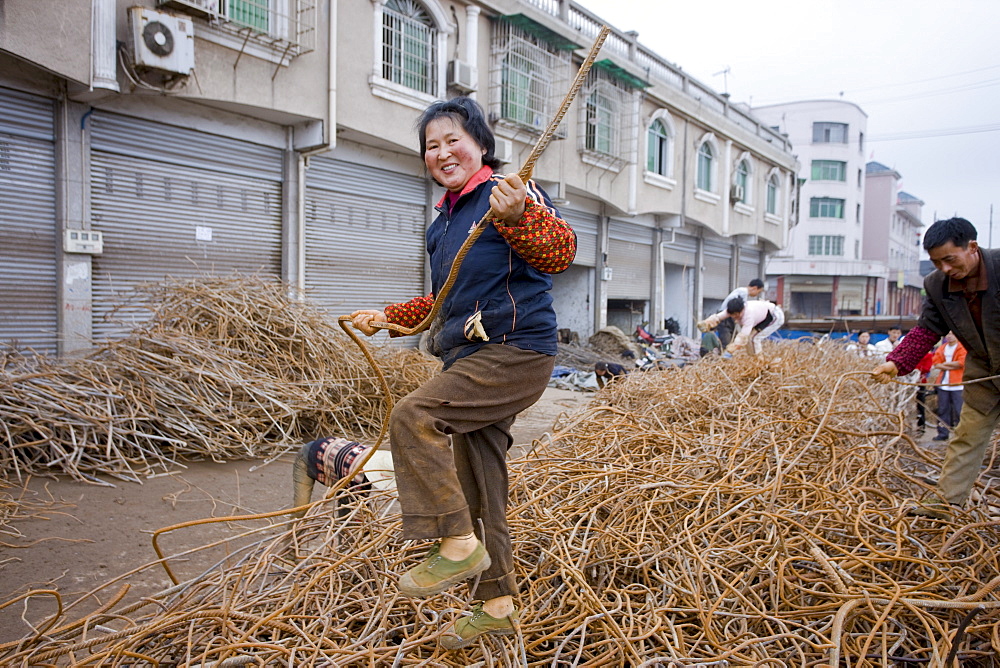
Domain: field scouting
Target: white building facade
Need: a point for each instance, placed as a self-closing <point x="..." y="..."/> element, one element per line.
<point x="893" y="235"/>
<point x="184" y="138"/>
<point x="823" y="270"/>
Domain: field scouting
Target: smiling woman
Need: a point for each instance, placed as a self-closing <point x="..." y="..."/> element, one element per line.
<point x="496" y="333"/>
<point x="451" y="154"/>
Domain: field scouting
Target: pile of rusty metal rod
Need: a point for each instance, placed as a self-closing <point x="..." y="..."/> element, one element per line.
<point x="743" y="512"/>
<point x="224" y="368"/>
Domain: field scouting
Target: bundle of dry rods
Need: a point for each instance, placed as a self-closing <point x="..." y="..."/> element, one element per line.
<point x="224" y="368"/>
<point x="744" y="512"/>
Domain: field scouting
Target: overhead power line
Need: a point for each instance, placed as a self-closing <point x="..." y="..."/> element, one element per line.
<point x="848" y="93"/>
<point x="940" y="132"/>
<point x="919" y="81"/>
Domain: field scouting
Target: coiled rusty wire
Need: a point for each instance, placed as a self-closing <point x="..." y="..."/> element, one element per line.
<point x="744" y="512"/>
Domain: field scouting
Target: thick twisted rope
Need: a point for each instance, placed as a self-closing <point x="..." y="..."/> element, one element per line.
<point x="525" y="173"/>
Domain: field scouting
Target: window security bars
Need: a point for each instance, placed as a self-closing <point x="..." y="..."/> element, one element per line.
<point x="409" y="57"/>
<point x="608" y="120"/>
<point x="526" y="79"/>
<point x="284" y="26"/>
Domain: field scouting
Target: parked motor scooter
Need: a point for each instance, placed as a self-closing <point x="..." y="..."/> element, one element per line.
<point x="643" y="336"/>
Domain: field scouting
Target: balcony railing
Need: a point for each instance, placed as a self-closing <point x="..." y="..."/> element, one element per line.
<point x="657" y="69"/>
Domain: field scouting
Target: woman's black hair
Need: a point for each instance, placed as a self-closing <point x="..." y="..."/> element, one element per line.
<point x="958" y="231"/>
<point x="735" y="305"/>
<point x="466" y="112"/>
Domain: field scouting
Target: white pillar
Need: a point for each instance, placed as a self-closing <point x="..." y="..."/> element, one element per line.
<point x="103" y="44"/>
<point x="727" y="182"/>
<point x="472" y="45"/>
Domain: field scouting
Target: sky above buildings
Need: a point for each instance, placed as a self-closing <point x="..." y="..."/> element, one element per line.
<point x="927" y="73"/>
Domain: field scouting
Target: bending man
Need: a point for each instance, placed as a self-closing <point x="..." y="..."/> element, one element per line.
<point x="756" y="320"/>
<point x="962" y="296"/>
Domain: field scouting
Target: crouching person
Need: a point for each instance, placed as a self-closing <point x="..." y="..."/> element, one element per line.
<point x="329" y="460"/>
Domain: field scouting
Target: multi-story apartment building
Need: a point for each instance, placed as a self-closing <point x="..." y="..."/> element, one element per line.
<point x="822" y="271"/>
<point x="893" y="229"/>
<point x="146" y="138"/>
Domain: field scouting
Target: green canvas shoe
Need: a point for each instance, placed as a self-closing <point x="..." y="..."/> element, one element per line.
<point x="466" y="629"/>
<point x="435" y="573"/>
<point x="934" y="508"/>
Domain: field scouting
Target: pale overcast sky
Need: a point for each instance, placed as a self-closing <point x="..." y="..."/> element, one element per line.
<point x="927" y="73"/>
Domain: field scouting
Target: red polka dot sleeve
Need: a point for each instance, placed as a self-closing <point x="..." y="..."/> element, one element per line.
<point x="409" y="314"/>
<point x="907" y="355"/>
<point x="545" y="242"/>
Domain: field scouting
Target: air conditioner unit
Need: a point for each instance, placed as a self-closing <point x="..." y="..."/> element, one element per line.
<point x="206" y="9"/>
<point x="161" y="41"/>
<point x="504" y="150"/>
<point x="461" y="76"/>
<point x="737" y="194"/>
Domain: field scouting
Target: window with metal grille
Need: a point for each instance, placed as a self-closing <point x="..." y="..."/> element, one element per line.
<point x="826" y="207"/>
<point x="601" y="126"/>
<point x="276" y="30"/>
<point x="829" y="170"/>
<point x="826" y="245"/>
<point x="527" y="74"/>
<point x="608" y="131"/>
<point x="658" y="148"/>
<point x="409" y="56"/>
<point x="706" y="160"/>
<point x="254" y="14"/>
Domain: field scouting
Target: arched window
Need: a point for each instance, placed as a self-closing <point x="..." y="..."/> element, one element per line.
<point x="409" y="46"/>
<point x="658" y="148"/>
<point x="773" y="188"/>
<point x="742" y="181"/>
<point x="706" y="166"/>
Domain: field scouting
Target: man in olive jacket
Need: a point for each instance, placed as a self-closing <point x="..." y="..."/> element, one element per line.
<point x="963" y="296"/>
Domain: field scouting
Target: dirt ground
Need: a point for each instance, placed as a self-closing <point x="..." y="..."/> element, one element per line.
<point x="76" y="536"/>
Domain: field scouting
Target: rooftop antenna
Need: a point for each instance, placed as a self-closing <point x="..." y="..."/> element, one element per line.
<point x="725" y="80"/>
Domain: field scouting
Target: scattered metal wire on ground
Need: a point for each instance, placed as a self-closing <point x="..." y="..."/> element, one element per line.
<point x="19" y="504"/>
<point x="225" y="368"/>
<point x="744" y="512"/>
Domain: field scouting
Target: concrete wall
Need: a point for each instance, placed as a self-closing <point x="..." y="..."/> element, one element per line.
<point x="54" y="34"/>
<point x="880" y="204"/>
<point x="573" y="294"/>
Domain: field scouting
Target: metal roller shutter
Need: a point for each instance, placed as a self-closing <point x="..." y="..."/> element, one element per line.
<point x="682" y="251"/>
<point x="29" y="305"/>
<point x="177" y="202"/>
<point x="365" y="230"/>
<point x="718" y="259"/>
<point x="585" y="225"/>
<point x="749" y="265"/>
<point x="630" y="255"/>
